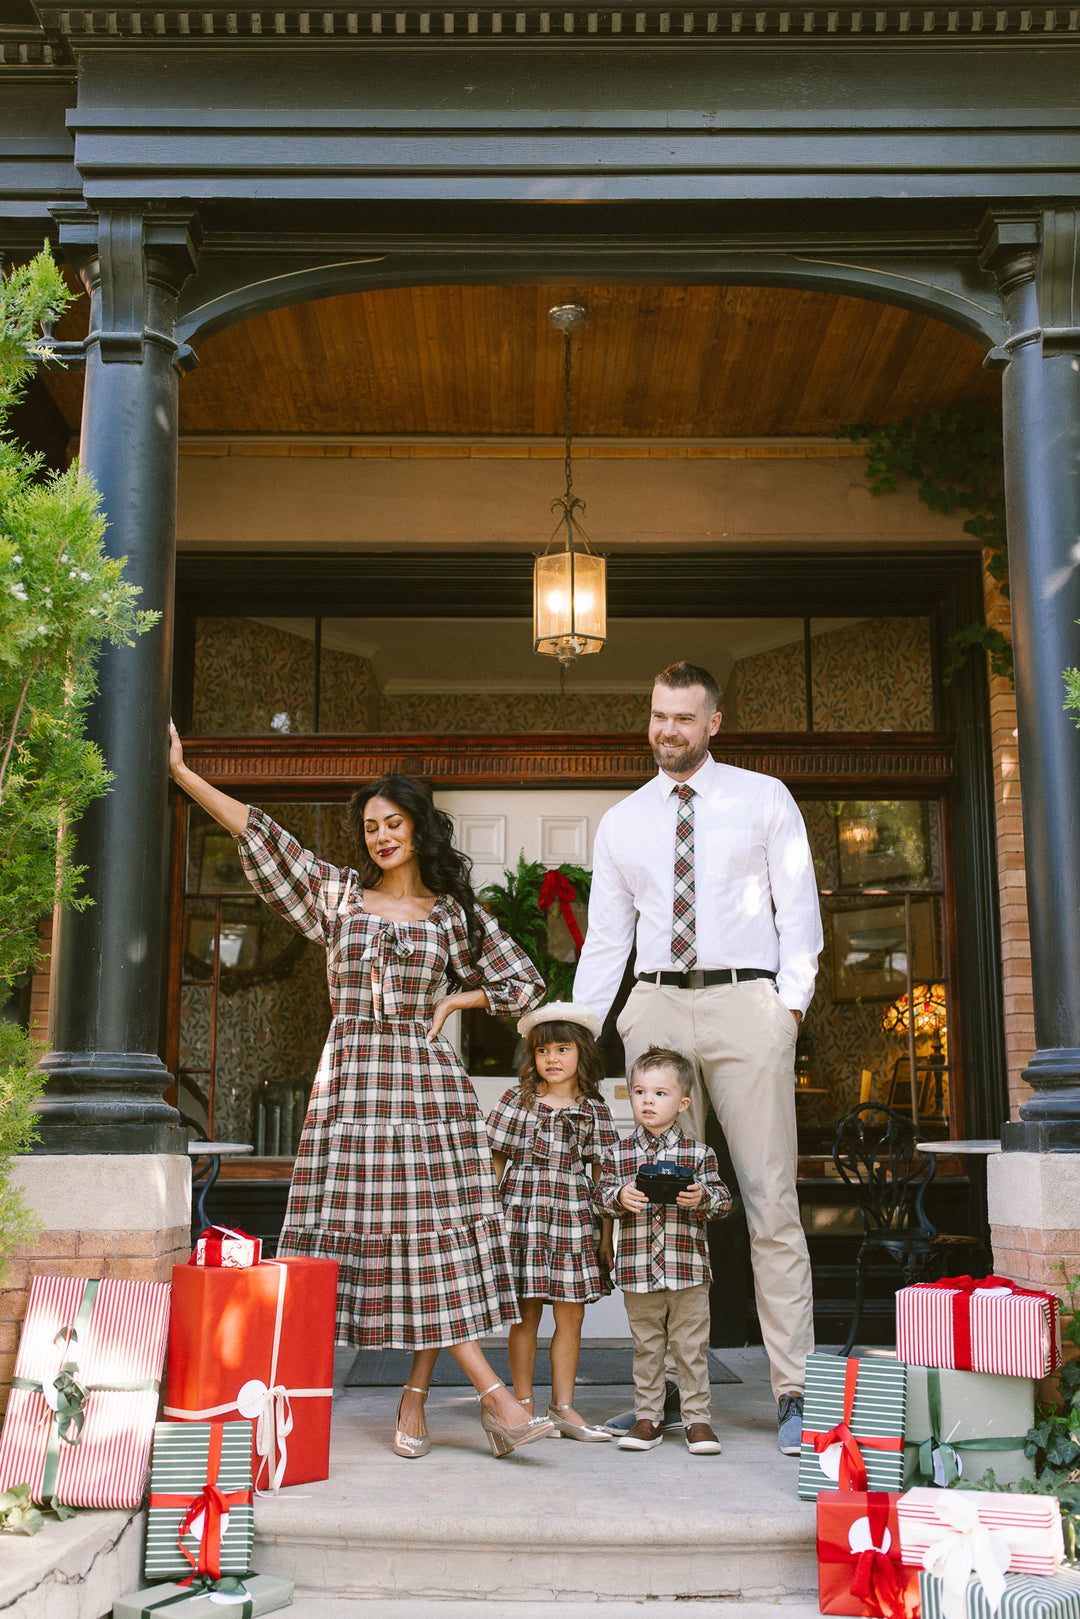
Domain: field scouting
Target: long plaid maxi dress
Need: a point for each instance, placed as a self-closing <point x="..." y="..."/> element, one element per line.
<point x="547" y="1194"/>
<point x="393" y="1174"/>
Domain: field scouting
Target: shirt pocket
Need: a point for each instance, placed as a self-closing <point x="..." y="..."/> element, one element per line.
<point x="729" y="852"/>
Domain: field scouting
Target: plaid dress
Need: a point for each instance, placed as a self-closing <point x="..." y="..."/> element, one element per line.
<point x="393" y="1171"/>
<point x="547" y="1194"/>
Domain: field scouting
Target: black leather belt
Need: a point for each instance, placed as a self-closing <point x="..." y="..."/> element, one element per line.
<point x="697" y="978"/>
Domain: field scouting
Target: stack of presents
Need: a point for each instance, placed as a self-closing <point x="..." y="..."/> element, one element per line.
<point x="888" y="1444"/>
<point x="247" y="1399"/>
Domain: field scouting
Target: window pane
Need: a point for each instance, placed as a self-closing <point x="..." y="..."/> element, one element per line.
<point x="253" y="675"/>
<point x="873" y="674"/>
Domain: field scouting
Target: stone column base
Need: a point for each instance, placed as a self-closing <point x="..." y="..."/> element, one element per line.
<point x="1033" y="1203"/>
<point x="116" y="1215"/>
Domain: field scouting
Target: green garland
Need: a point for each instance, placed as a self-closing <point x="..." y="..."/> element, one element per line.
<point x="515" y="904"/>
<point x="955" y="457"/>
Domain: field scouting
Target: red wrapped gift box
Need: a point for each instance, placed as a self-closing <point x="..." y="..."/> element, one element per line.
<point x="258" y="1343"/>
<point x="858" y="1549"/>
<point x="221" y="1245"/>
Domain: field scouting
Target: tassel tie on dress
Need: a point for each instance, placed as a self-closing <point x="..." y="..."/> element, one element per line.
<point x="388" y="946"/>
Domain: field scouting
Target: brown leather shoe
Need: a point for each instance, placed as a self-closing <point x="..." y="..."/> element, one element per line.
<point x="700" y="1440"/>
<point x="644" y="1435"/>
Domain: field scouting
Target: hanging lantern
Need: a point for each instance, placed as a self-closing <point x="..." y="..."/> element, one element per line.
<point x="569" y="581"/>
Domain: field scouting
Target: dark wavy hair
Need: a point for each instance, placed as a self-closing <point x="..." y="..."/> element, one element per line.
<point x="590" y="1068"/>
<point x="444" y="869"/>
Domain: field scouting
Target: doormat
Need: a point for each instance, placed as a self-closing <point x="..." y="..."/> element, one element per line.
<point x="599" y="1364"/>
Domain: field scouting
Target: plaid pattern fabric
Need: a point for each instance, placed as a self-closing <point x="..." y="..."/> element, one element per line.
<point x="683" y="945"/>
<point x="547" y="1194"/>
<point x="664" y="1247"/>
<point x="393" y="1171"/>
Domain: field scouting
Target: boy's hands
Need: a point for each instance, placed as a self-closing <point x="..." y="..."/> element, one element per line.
<point x="691" y="1197"/>
<point x="632" y="1199"/>
<point x="605" y="1255"/>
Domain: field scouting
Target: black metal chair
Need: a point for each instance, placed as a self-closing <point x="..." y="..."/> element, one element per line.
<point x="874" y="1153"/>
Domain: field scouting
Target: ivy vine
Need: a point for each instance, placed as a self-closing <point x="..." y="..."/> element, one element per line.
<point x="955" y="458"/>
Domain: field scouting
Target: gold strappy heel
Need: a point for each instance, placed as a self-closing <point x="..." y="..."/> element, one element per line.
<point x="407" y="1444"/>
<point x="502" y="1439"/>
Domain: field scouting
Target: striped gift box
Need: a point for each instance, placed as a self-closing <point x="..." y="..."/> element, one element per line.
<point x="1027" y="1596"/>
<point x="80" y="1420"/>
<point x="978" y="1327"/>
<point x="1029" y="1525"/>
<point x="866" y="1396"/>
<point x="191" y="1461"/>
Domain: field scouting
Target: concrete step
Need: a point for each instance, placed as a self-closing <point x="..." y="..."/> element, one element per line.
<point x="324" y="1607"/>
<point x="556" y="1522"/>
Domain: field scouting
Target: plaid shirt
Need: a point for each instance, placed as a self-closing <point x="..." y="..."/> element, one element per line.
<point x="664" y="1247"/>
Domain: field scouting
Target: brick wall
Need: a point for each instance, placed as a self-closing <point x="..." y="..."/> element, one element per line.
<point x="145" y="1256"/>
<point x="1012" y="886"/>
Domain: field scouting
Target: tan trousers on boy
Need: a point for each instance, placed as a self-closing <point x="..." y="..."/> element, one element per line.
<point x="741" y="1040"/>
<point x="676" y="1322"/>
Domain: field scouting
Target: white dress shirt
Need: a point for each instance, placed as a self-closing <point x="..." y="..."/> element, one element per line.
<point x="755" y="893"/>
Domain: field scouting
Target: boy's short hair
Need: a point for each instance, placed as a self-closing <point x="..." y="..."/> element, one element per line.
<point x="664" y="1057"/>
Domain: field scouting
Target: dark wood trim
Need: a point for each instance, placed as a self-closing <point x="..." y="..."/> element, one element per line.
<point x="906" y="764"/>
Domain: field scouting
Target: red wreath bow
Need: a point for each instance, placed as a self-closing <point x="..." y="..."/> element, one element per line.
<point x="557" y="887"/>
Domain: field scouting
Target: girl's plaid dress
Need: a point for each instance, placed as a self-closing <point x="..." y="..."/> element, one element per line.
<point x="547" y="1194"/>
<point x="393" y="1171"/>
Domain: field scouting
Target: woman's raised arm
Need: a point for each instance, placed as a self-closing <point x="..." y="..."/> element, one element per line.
<point x="228" y="812"/>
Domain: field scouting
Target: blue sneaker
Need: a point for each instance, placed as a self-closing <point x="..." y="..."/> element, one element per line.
<point x="672" y="1417"/>
<point x="789" y="1423"/>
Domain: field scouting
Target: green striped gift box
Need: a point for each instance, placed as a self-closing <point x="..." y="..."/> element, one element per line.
<point x="1027" y="1596"/>
<point x="178" y="1474"/>
<point x="877" y="1412"/>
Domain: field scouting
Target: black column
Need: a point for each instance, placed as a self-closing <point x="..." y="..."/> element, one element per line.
<point x="104" y="1077"/>
<point x="1041" y="402"/>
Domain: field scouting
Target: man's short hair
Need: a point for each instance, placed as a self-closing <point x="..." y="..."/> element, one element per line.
<point x="681" y="676"/>
<point x="664" y="1057"/>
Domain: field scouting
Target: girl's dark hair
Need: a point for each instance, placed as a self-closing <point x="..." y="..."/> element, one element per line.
<point x="444" y="869"/>
<point x="590" y="1068"/>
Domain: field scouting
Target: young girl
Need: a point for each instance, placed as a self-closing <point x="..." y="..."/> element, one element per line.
<point x="552" y="1132"/>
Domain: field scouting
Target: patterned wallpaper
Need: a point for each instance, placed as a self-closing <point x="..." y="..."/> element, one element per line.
<point x="254" y="677"/>
<point x="871" y="676"/>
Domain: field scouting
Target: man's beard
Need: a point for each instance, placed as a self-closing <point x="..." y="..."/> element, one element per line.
<point x="682" y="761"/>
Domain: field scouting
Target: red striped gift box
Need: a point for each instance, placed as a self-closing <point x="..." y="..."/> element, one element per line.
<point x="990" y="1325"/>
<point x="80" y="1420"/>
<point x="936" y="1522"/>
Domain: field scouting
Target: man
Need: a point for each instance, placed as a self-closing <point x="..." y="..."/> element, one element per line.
<point x="710" y="868"/>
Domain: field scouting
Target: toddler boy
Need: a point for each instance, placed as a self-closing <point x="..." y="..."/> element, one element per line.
<point x="662" y="1264"/>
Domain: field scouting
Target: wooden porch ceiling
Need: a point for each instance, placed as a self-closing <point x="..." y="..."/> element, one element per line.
<point x="653" y="361"/>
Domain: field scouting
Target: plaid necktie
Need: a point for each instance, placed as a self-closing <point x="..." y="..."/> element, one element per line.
<point x="683" y="949"/>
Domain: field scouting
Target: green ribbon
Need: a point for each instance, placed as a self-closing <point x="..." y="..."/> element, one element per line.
<point x="949" y="1454"/>
<point x="228" y="1585"/>
<point x="70" y="1414"/>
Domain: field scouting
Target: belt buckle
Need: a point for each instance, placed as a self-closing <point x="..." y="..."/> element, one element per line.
<point x="695" y="978"/>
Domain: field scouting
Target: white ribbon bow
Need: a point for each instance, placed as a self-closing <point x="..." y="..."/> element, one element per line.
<point x="965" y="1547"/>
<point x="272" y="1410"/>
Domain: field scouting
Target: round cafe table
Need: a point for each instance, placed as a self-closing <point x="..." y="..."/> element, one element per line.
<point x="979" y="1149"/>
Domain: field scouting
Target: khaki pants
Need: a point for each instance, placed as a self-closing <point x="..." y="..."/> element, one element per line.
<point x="741" y="1040"/>
<point x="674" y="1322"/>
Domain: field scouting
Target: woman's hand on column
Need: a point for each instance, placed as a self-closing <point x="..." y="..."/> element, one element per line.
<point x="228" y="812"/>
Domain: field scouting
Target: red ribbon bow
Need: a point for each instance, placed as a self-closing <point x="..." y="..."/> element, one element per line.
<point x="557" y="887"/>
<point x="876" y="1579"/>
<point x="852" y="1466"/>
<point x="212" y="1504"/>
<point x="964" y="1287"/>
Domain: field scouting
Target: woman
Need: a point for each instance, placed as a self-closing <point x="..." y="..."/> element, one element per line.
<point x="393" y="1174"/>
